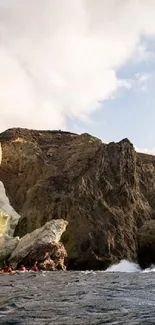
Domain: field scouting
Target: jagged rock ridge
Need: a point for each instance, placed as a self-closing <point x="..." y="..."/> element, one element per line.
<point x="105" y="192"/>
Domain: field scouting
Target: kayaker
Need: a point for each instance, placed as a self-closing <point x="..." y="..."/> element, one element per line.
<point x="34" y="268"/>
<point x="22" y="268"/>
<point x="8" y="269"/>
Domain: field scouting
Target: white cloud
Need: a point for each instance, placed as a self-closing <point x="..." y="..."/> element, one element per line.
<point x="143" y="53"/>
<point x="59" y="58"/>
<point x="145" y="150"/>
<point x="142" y="80"/>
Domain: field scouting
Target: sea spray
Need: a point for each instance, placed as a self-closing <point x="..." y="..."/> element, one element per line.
<point x="124" y="266"/>
<point x="150" y="269"/>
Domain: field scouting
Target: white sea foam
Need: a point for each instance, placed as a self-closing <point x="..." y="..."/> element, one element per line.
<point x="88" y="272"/>
<point x="150" y="269"/>
<point x="124" y="266"/>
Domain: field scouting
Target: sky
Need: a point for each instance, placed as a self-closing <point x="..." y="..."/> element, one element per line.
<point x="79" y="65"/>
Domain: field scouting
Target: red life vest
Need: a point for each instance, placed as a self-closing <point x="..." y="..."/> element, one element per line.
<point x="8" y="269"/>
<point x="35" y="268"/>
<point x="22" y="268"/>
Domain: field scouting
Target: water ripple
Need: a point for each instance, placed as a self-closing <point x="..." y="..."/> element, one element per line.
<point x="77" y="297"/>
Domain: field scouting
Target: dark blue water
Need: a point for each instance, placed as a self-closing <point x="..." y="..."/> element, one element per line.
<point x="77" y="298"/>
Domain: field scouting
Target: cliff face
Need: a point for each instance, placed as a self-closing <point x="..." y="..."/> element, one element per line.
<point x="105" y="192"/>
<point x="146" y="244"/>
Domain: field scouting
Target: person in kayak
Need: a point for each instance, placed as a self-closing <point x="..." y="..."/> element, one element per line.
<point x="8" y="269"/>
<point x="22" y="268"/>
<point x="34" y="268"/>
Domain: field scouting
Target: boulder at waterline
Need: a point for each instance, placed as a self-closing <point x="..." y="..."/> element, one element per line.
<point x="42" y="246"/>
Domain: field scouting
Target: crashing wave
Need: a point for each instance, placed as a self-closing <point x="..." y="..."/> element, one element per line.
<point x="150" y="269"/>
<point x="124" y="266"/>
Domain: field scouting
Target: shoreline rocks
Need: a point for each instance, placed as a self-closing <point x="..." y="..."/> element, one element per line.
<point x="42" y="246"/>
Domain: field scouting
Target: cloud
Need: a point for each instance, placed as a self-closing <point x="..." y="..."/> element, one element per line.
<point x="59" y="58"/>
<point x="142" y="80"/>
<point x="145" y="150"/>
<point x="143" y="52"/>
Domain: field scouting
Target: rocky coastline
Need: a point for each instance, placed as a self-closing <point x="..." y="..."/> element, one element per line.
<point x="101" y="194"/>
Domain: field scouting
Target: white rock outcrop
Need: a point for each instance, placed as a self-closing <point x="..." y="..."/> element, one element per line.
<point x="7" y="245"/>
<point x="39" y="242"/>
<point x="8" y="216"/>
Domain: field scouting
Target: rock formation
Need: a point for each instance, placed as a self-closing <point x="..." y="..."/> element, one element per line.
<point x="146" y="244"/>
<point x="8" y="223"/>
<point x="104" y="191"/>
<point x="8" y="216"/>
<point x="7" y="245"/>
<point x="4" y="217"/>
<point x="41" y="246"/>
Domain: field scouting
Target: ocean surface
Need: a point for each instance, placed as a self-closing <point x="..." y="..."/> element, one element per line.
<point x="121" y="295"/>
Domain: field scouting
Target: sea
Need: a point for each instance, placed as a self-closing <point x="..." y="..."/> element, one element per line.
<point x="123" y="294"/>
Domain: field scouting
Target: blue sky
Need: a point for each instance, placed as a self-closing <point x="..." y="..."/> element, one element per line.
<point x="131" y="113"/>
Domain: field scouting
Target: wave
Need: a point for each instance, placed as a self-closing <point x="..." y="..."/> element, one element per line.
<point x="124" y="266"/>
<point x="150" y="269"/>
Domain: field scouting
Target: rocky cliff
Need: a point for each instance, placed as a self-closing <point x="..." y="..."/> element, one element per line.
<point x="105" y="192"/>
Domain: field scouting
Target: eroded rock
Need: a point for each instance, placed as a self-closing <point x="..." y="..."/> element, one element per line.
<point x="7" y="245"/>
<point x="42" y="246"/>
<point x="53" y="259"/>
